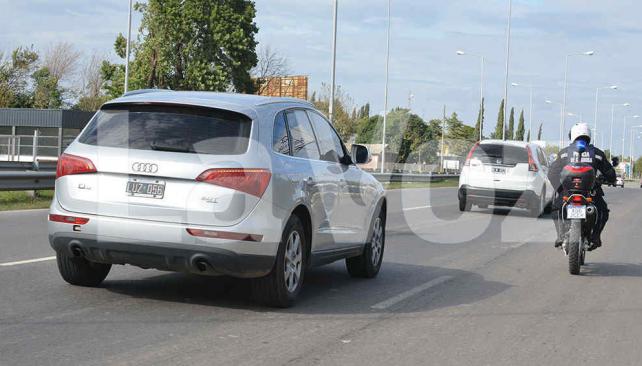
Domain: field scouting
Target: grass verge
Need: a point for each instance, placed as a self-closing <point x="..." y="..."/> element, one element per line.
<point x="19" y="200"/>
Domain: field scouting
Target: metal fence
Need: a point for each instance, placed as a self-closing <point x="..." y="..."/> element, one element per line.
<point x="30" y="147"/>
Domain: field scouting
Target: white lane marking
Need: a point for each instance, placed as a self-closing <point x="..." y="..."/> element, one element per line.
<point x="27" y="261"/>
<point x="412" y="292"/>
<point x="416" y="208"/>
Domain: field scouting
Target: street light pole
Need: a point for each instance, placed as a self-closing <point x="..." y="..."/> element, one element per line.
<point x="510" y="10"/>
<point x="597" y="95"/>
<point x="631" y="148"/>
<point x="481" y="91"/>
<point x="624" y="134"/>
<point x="127" y="50"/>
<point x="385" y="98"/>
<point x="334" y="61"/>
<point x="563" y="121"/>
<point x="613" y="123"/>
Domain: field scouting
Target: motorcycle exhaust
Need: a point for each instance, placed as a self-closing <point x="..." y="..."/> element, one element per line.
<point x="590" y="210"/>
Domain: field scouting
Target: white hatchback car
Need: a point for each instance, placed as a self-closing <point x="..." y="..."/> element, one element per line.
<point x="506" y="173"/>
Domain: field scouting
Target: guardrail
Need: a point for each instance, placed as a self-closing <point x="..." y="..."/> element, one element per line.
<point x="26" y="180"/>
<point x="20" y="166"/>
<point x="415" y="178"/>
<point x="45" y="179"/>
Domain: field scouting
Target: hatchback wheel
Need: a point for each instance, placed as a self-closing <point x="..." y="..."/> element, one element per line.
<point x="281" y="287"/>
<point x="367" y="265"/>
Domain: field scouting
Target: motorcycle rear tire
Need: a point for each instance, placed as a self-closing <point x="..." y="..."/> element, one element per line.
<point x="574" y="247"/>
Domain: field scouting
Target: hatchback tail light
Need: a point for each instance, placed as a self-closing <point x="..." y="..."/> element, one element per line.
<point x="72" y="164"/>
<point x="531" y="162"/>
<point x="250" y="181"/>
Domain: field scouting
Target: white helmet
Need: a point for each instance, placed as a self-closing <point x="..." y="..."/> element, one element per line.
<point x="578" y="130"/>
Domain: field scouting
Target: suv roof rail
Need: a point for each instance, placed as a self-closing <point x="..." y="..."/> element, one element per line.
<point x="143" y="91"/>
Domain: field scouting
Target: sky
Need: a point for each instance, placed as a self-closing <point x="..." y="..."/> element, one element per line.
<point x="425" y="36"/>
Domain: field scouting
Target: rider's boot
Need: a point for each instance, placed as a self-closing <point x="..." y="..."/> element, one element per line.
<point x="596" y="242"/>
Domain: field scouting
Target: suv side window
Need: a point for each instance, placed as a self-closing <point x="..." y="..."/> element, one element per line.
<point x="280" y="138"/>
<point x="329" y="142"/>
<point x="304" y="143"/>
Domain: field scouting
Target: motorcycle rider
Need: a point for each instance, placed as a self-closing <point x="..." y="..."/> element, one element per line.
<point x="581" y="151"/>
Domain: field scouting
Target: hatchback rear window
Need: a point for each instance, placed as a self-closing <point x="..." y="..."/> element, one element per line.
<point x="501" y="154"/>
<point x="183" y="129"/>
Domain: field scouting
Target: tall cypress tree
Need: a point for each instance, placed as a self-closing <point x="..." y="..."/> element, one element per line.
<point x="519" y="135"/>
<point x="539" y="133"/>
<point x="528" y="138"/>
<point x="480" y="121"/>
<point x="499" y="128"/>
<point x="510" y="132"/>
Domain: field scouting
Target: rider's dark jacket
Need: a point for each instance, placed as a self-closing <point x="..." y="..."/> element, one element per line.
<point x="578" y="154"/>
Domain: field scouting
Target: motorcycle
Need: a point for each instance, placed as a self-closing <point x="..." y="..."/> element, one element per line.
<point x="579" y="182"/>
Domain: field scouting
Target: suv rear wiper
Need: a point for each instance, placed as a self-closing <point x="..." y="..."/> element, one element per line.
<point x="172" y="148"/>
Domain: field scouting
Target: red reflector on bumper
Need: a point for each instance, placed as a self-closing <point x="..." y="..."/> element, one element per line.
<point x="68" y="219"/>
<point x="224" y="235"/>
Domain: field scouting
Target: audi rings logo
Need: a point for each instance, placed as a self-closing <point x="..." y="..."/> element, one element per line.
<point x="145" y="167"/>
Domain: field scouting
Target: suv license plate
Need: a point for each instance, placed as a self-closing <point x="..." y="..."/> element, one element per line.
<point x="576" y="212"/>
<point x="499" y="171"/>
<point x="152" y="189"/>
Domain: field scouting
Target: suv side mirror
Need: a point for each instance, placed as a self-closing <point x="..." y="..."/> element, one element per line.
<point x="615" y="161"/>
<point x="360" y="154"/>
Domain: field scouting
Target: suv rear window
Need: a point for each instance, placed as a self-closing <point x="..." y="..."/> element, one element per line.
<point x="501" y="154"/>
<point x="184" y="129"/>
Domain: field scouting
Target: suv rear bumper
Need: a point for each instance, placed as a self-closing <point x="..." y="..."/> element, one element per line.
<point x="168" y="246"/>
<point x="163" y="256"/>
<point x="497" y="197"/>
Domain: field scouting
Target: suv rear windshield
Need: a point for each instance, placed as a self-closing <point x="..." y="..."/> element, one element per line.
<point x="501" y="154"/>
<point x="184" y="129"/>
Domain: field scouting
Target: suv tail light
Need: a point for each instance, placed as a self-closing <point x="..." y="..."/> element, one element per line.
<point x="68" y="219"/>
<point x="250" y="181"/>
<point x="531" y="162"/>
<point x="470" y="154"/>
<point x="72" y="164"/>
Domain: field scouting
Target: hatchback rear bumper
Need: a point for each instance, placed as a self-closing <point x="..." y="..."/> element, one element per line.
<point x="497" y="197"/>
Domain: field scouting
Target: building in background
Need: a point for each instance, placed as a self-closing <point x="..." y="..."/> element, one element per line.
<point x="283" y="86"/>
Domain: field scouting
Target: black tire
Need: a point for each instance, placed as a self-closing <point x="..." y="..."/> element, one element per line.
<point x="80" y="272"/>
<point x="464" y="205"/>
<point x="272" y="290"/>
<point x="574" y="242"/>
<point x="368" y="264"/>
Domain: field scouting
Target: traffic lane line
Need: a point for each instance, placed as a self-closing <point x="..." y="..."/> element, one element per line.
<point x="27" y="261"/>
<point x="410" y="293"/>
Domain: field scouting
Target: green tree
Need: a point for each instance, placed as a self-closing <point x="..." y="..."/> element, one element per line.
<point x="369" y="130"/>
<point x="519" y="134"/>
<point x="459" y="137"/>
<point x="499" y="128"/>
<point x="47" y="93"/>
<point x="510" y="131"/>
<point x="190" y="45"/>
<point x="480" y="120"/>
<point x="343" y="122"/>
<point x="540" y="132"/>
<point x="528" y="137"/>
<point x="15" y="78"/>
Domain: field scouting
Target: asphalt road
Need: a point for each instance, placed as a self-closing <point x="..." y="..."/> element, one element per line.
<point x="482" y="288"/>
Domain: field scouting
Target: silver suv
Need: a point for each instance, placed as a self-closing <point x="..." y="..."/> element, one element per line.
<point x="215" y="184"/>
